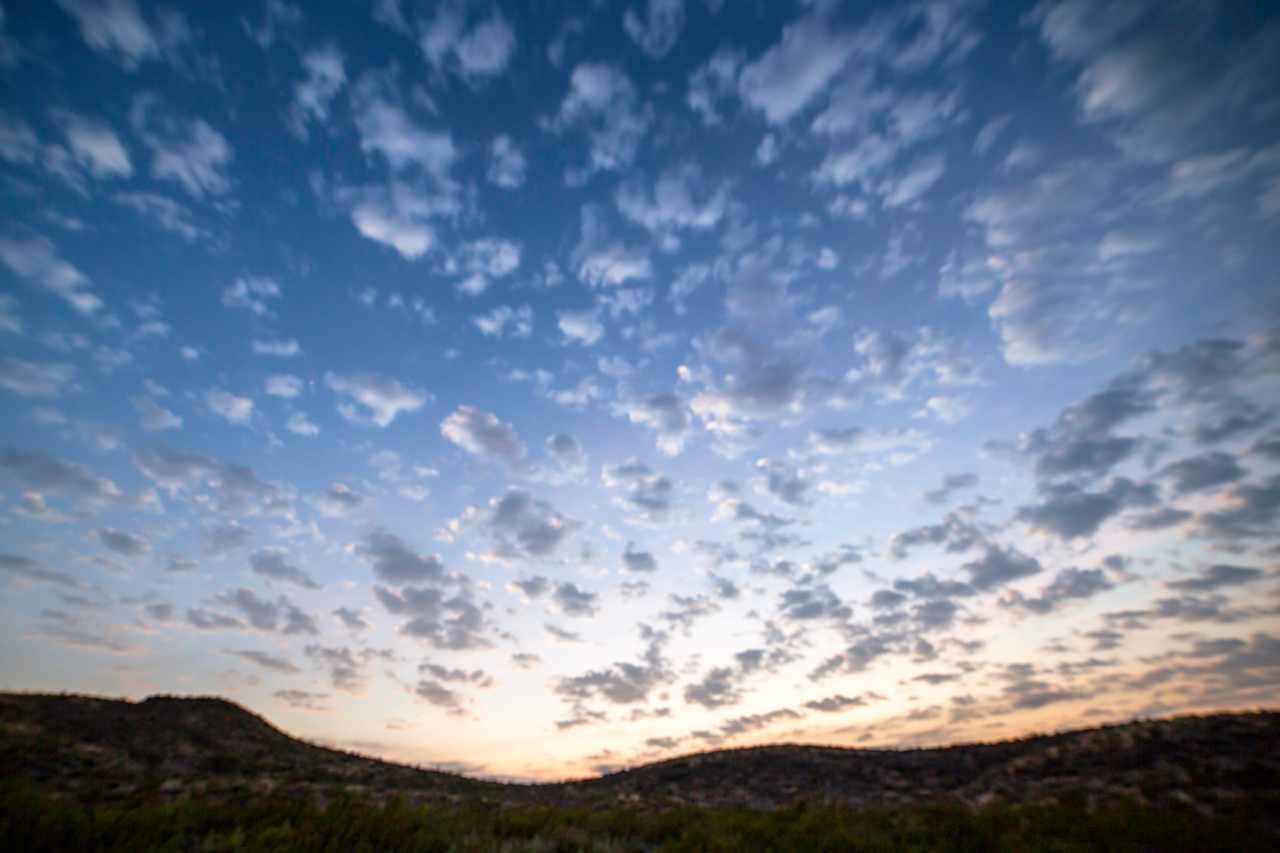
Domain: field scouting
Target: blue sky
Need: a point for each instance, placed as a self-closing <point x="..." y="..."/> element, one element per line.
<point x="539" y="388"/>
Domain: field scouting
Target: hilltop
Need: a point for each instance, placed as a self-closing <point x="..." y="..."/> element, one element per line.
<point x="166" y="747"/>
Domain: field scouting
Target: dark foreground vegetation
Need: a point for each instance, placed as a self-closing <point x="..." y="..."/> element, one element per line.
<point x="203" y="774"/>
<point x="34" y="821"/>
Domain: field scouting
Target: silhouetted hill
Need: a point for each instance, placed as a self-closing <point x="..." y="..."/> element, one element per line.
<point x="169" y="746"/>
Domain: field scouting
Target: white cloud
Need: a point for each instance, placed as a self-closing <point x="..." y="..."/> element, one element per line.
<point x="153" y="416"/>
<point x="582" y="327"/>
<point x="326" y="76"/>
<point x="387" y="129"/>
<point x="252" y="292"/>
<point x="659" y="30"/>
<point x="602" y="98"/>
<point x="95" y="146"/>
<point x="767" y="150"/>
<point x="480" y="48"/>
<point x="284" y="385"/>
<point x="278" y="347"/>
<point x="600" y="260"/>
<point x="35" y="379"/>
<point x="506" y="163"/>
<point x="376" y="400"/>
<point x="482" y="434"/>
<point x="298" y="424"/>
<point x="37" y="260"/>
<point x="788" y="76"/>
<point x="496" y="322"/>
<point x="915" y="181"/>
<point x="115" y="28"/>
<point x="191" y="153"/>
<point x="672" y="203"/>
<point x="237" y="410"/>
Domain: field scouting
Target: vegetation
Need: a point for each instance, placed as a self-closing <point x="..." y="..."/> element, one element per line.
<point x="34" y="820"/>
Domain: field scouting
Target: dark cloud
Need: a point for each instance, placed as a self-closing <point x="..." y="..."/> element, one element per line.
<point x="687" y="610"/>
<point x="638" y="561"/>
<point x="752" y="722"/>
<point x="1216" y="577"/>
<point x="1253" y="512"/>
<point x="394" y="562"/>
<point x="815" y="602"/>
<point x="838" y="702"/>
<point x="45" y="474"/>
<point x="482" y="434"/>
<point x="521" y="527"/>
<point x="236" y="488"/>
<point x="439" y="695"/>
<point x="351" y="619"/>
<point x="574" y="601"/>
<point x="1206" y="471"/>
<point x="641" y="490"/>
<point x="222" y="538"/>
<point x="954" y="533"/>
<point x="125" y="544"/>
<point x="209" y="620"/>
<point x="271" y="563"/>
<point x="719" y="687"/>
<point x="27" y="569"/>
<point x="951" y="484"/>
<point x="266" y="661"/>
<point x="625" y="682"/>
<point x="1069" y="512"/>
<point x="449" y="622"/>
<point x="1067" y="585"/>
<point x="303" y="699"/>
<point x="345" y="667"/>
<point x="339" y="500"/>
<point x="999" y="566"/>
<point x="533" y="587"/>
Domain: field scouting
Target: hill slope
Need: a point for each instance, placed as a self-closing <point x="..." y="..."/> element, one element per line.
<point x="165" y="746"/>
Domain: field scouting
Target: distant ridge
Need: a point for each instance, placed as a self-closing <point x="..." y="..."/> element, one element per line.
<point x="97" y="748"/>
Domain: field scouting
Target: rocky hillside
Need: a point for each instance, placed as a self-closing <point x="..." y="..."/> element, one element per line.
<point x="165" y="746"/>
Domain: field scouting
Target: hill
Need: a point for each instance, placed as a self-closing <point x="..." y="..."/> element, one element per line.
<point x="164" y="746"/>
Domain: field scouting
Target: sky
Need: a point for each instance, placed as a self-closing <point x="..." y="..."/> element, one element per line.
<point x="538" y="389"/>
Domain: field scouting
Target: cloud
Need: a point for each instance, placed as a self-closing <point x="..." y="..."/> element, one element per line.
<point x="351" y="620"/>
<point x="581" y="327"/>
<point x="472" y="48"/>
<point x="284" y="385"/>
<point x="394" y="562"/>
<point x="125" y="544"/>
<point x="304" y="700"/>
<point x="95" y="146"/>
<point x="1218" y="576"/>
<point x="27" y="569"/>
<point x="574" y="601"/>
<point x="387" y="130"/>
<point x="252" y="292"/>
<point x="277" y="347"/>
<point x="36" y="260"/>
<point x="520" y="526"/>
<point x="625" y="682"/>
<point x="339" y="500"/>
<point x="446" y="622"/>
<point x="950" y="484"/>
<point x="189" y="152"/>
<point x="788" y="76"/>
<point x="266" y="661"/>
<point x="35" y="379"/>
<point x="665" y="414"/>
<point x="236" y="410"/>
<point x="376" y="400"/>
<point x="640" y="489"/>
<point x="836" y="702"/>
<point x="153" y="416"/>
<point x="265" y="615"/>
<point x="657" y="32"/>
<point x="235" y="488"/>
<point x="567" y="453"/>
<point x="47" y="474"/>
<point x="507" y="163"/>
<point x="1069" y="512"/>
<point x="272" y="563"/>
<point x="1203" y="472"/>
<point x="999" y="566"/>
<point x="1067" y="585"/>
<point x="325" y="77"/>
<point x="483" y="435"/>
<point x="638" y="561"/>
<point x="115" y="28"/>
<point x="672" y="205"/>
<point x="298" y="424"/>
<point x="602" y="99"/>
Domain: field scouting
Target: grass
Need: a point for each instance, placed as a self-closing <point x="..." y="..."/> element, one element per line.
<point x="34" y="820"/>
